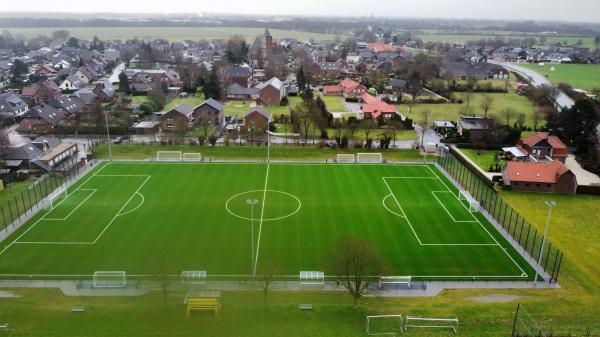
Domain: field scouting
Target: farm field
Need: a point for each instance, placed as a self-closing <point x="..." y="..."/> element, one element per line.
<point x="464" y="38"/>
<point x="170" y="33"/>
<point x="118" y="218"/>
<point x="579" y="76"/>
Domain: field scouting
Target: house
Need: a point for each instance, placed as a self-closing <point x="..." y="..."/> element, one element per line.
<point x="236" y="91"/>
<point x="104" y="91"/>
<point x="271" y="92"/>
<point x="258" y="118"/>
<point x="549" y="177"/>
<point x="443" y="127"/>
<point x="41" y="92"/>
<point x="373" y="107"/>
<point x="378" y="47"/>
<point x="71" y="83"/>
<point x="238" y="74"/>
<point x="11" y="105"/>
<point x="70" y="105"/>
<point x="46" y="71"/>
<point x="209" y="112"/>
<point x="41" y="119"/>
<point x="346" y="88"/>
<point x="543" y="147"/>
<point x="84" y="75"/>
<point x="182" y="113"/>
<point x="475" y="126"/>
<point x="45" y="153"/>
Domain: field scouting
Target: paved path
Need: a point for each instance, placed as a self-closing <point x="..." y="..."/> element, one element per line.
<point x="114" y="77"/>
<point x="583" y="177"/>
<point x="537" y="79"/>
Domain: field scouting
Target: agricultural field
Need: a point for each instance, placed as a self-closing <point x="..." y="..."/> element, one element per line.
<point x="170" y="33"/>
<point x="579" y="76"/>
<point x="588" y="42"/>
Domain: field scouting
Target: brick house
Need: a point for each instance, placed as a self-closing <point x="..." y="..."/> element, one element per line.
<point x="346" y="88"/>
<point x="41" y="92"/>
<point x="373" y="107"/>
<point x="549" y="177"/>
<point x="542" y="146"/>
<point x="183" y="112"/>
<point x="271" y="92"/>
<point x="41" y="119"/>
<point x="237" y="74"/>
<point x="258" y="117"/>
<point x="104" y="92"/>
<point x="210" y="111"/>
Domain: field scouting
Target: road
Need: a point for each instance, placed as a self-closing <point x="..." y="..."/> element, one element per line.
<point x="537" y="79"/>
<point x="114" y="77"/>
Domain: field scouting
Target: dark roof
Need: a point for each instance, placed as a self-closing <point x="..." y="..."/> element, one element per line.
<point x="46" y="112"/>
<point x="69" y="104"/>
<point x="10" y="102"/>
<point x="261" y="111"/>
<point x="184" y="109"/>
<point x="86" y="95"/>
<point x="236" y="89"/>
<point x="50" y="141"/>
<point x="213" y="104"/>
<point x="398" y="83"/>
<point x="23" y="152"/>
<point x="237" y="71"/>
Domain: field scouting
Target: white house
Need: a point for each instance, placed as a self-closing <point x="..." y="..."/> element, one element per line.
<point x="72" y="83"/>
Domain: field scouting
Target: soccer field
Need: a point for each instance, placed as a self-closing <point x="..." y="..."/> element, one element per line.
<point x="126" y="215"/>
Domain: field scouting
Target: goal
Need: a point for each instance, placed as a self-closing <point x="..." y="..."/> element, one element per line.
<point x="471" y="204"/>
<point x="193" y="276"/>
<point x="344" y="158"/>
<point x="192" y="156"/>
<point x="395" y="282"/>
<point x="312" y="278"/>
<point x="369" y="157"/>
<point x="449" y="324"/>
<point x="56" y="197"/>
<point x="169" y="155"/>
<point x="109" y="279"/>
<point x="385" y="325"/>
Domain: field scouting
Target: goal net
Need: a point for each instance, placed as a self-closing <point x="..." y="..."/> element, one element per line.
<point x="385" y="325"/>
<point x="169" y="155"/>
<point x="369" y="158"/>
<point x="56" y="197"/>
<point x="109" y="279"/>
<point x="344" y="158"/>
<point x="193" y="276"/>
<point x="469" y="201"/>
<point x="192" y="156"/>
<point x="447" y="324"/>
<point x="397" y="282"/>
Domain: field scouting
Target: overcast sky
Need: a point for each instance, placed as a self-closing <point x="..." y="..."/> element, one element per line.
<point x="571" y="10"/>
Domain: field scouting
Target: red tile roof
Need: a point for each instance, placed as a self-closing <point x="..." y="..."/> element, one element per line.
<point x="560" y="149"/>
<point x="378" y="47"/>
<point x="546" y="172"/>
<point x="374" y="106"/>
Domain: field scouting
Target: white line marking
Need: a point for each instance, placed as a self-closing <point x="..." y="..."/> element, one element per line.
<point x="387" y="208"/>
<point x="74" y="209"/>
<point x="262" y="211"/>
<point x="405" y="217"/>
<point x="136" y="207"/>
<point x="444" y="207"/>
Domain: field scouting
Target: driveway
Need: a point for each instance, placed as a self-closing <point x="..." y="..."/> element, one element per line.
<point x="583" y="177"/>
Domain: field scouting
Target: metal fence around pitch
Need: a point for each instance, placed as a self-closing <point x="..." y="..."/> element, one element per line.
<point x="513" y="223"/>
<point x="16" y="207"/>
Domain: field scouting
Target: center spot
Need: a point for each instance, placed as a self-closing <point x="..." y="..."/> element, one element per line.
<point x="279" y="205"/>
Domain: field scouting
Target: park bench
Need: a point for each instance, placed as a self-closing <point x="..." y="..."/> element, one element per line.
<point x="202" y="303"/>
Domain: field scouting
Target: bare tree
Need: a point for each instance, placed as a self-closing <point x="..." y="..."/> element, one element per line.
<point x="367" y="125"/>
<point x="521" y="120"/>
<point x="353" y="260"/>
<point x="267" y="271"/>
<point x="305" y="120"/>
<point x="508" y="114"/>
<point x="537" y="115"/>
<point x="163" y="269"/>
<point x="486" y="104"/>
<point x="181" y="127"/>
<point x="395" y="126"/>
<point x="466" y="97"/>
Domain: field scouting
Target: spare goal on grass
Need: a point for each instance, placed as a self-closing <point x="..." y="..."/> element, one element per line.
<point x="344" y="158"/>
<point x="169" y="155"/>
<point x="395" y="282"/>
<point x="385" y="325"/>
<point x="193" y="276"/>
<point x="472" y="204"/>
<point x="369" y="157"/>
<point x="308" y="278"/>
<point x="431" y="323"/>
<point x="109" y="279"/>
<point x="192" y="156"/>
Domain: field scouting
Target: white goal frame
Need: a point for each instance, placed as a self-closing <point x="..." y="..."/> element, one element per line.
<point x="431" y="323"/>
<point x="345" y="158"/>
<point x="369" y="157"/>
<point x="169" y="156"/>
<point x="393" y="317"/>
<point x="395" y="280"/>
<point x="473" y="204"/>
<point x="115" y="279"/>
<point x="193" y="276"/>
<point x="312" y="278"/>
<point x="60" y="191"/>
<point x="191" y="156"/>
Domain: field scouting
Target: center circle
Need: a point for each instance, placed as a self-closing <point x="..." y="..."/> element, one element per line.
<point x="279" y="205"/>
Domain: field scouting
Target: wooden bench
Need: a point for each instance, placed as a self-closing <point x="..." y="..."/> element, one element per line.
<point x="202" y="303"/>
<point x="305" y="306"/>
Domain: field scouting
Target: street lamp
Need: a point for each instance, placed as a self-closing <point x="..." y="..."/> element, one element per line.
<point x="108" y="136"/>
<point x="423" y="130"/>
<point x="252" y="202"/>
<point x="550" y="204"/>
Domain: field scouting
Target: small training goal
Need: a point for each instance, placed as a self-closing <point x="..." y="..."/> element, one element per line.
<point x="375" y="157"/>
<point x="169" y="155"/>
<point x="109" y="279"/>
<point x="448" y="324"/>
<point x="385" y="325"/>
<point x="471" y="203"/>
<point x="192" y="156"/>
<point x="344" y="158"/>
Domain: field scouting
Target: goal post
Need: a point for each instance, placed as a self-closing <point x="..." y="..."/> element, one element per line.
<point x="169" y="155"/>
<point x="385" y="325"/>
<point x="344" y="158"/>
<point x="450" y="324"/>
<point x="56" y="197"/>
<point x="109" y="279"/>
<point x="372" y="157"/>
<point x="471" y="204"/>
<point x="192" y="156"/>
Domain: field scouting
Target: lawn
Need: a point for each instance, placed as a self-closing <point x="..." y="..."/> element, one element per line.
<point x="191" y="100"/>
<point x="452" y="111"/>
<point x="170" y="33"/>
<point x="483" y="158"/>
<point x="334" y="103"/>
<point x="237" y="108"/>
<point x="579" y="76"/>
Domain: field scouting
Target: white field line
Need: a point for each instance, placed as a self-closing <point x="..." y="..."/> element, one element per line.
<point x="444" y="207"/>
<point x="43" y="216"/>
<point x="387" y="208"/>
<point x="136" y="207"/>
<point x="482" y="226"/>
<point x="403" y="213"/>
<point x="262" y="211"/>
<point x="74" y="209"/>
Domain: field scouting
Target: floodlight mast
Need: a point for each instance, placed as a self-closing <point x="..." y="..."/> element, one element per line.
<point x="550" y="204"/>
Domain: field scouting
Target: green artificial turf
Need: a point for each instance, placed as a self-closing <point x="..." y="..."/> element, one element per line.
<point x="125" y="216"/>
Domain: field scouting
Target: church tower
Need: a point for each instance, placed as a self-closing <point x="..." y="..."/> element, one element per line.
<point x="267" y="45"/>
